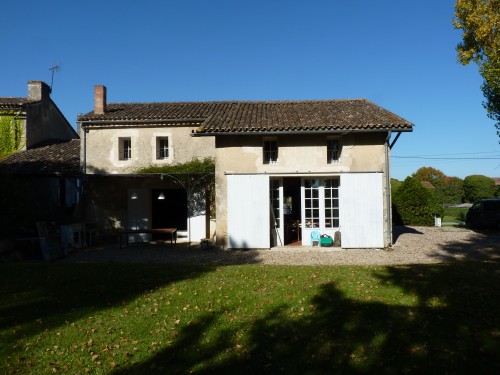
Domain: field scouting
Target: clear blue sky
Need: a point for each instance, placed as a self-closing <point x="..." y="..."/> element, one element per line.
<point x="398" y="54"/>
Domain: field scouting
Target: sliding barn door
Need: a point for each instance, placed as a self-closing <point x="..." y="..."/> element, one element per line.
<point x="362" y="210"/>
<point x="248" y="211"/>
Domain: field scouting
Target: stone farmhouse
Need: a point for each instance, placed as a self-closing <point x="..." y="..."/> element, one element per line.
<point x="285" y="171"/>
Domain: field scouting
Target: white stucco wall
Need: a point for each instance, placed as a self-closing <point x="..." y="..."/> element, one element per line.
<point x="103" y="147"/>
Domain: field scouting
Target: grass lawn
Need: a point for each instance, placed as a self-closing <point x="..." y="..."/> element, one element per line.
<point x="454" y="215"/>
<point x="151" y="318"/>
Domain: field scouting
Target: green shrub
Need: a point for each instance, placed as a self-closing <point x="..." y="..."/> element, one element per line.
<point x="414" y="204"/>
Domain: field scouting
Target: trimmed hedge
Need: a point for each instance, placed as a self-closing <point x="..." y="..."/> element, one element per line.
<point x="414" y="204"/>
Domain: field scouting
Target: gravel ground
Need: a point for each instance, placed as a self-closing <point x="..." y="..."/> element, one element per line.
<point x="413" y="245"/>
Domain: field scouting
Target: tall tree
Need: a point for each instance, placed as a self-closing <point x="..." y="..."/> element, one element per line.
<point x="478" y="187"/>
<point x="479" y="21"/>
<point x="429" y="174"/>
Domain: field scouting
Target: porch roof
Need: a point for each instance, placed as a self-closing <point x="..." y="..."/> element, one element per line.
<point x="62" y="158"/>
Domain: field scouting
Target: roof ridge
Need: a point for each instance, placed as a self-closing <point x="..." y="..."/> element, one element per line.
<point x="242" y="101"/>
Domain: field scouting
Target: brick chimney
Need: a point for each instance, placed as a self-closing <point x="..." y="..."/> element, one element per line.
<point x="99" y="99"/>
<point x="38" y="90"/>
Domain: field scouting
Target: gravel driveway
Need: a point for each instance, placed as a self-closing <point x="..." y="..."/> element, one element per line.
<point x="412" y="245"/>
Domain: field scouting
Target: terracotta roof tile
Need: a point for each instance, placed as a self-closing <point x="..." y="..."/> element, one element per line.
<point x="12" y="103"/>
<point x="55" y="158"/>
<point x="255" y="116"/>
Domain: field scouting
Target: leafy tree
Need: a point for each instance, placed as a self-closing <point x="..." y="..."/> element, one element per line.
<point x="451" y="190"/>
<point x="415" y="204"/>
<point x="395" y="184"/>
<point x="479" y="21"/>
<point x="478" y="187"/>
<point x="432" y="175"/>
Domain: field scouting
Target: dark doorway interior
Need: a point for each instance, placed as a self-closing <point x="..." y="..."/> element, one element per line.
<point x="170" y="212"/>
<point x="292" y="210"/>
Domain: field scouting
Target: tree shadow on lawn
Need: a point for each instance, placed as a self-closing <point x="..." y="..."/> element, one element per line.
<point x="445" y="321"/>
<point x="50" y="295"/>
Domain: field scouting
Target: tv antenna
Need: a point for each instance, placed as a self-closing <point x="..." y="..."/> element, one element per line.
<point x="53" y="69"/>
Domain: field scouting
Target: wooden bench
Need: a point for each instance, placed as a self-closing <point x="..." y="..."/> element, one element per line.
<point x="171" y="231"/>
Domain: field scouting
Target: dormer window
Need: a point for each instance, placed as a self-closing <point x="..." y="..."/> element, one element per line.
<point x="270" y="150"/>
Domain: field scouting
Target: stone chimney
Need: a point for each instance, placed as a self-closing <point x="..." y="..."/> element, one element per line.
<point x="99" y="99"/>
<point x="38" y="90"/>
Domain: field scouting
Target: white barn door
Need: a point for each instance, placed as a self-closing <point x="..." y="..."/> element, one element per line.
<point x="248" y="223"/>
<point x="362" y="210"/>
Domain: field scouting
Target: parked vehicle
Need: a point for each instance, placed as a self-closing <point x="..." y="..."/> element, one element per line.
<point x="484" y="213"/>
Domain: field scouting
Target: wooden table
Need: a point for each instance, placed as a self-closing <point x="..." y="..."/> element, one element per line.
<point x="171" y="231"/>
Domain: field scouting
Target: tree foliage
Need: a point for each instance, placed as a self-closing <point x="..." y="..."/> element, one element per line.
<point x="451" y="190"/>
<point x="432" y="175"/>
<point x="478" y="187"/>
<point x="415" y="204"/>
<point x="206" y="165"/>
<point x="479" y="21"/>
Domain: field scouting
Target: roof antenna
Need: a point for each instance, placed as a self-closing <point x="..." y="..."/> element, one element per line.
<point x="53" y="69"/>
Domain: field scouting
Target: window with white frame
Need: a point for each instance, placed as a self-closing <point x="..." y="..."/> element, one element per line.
<point x="274" y="193"/>
<point x="332" y="151"/>
<point x="321" y="203"/>
<point x="331" y="188"/>
<point x="162" y="148"/>
<point x="125" y="148"/>
<point x="270" y="152"/>
<point x="311" y="202"/>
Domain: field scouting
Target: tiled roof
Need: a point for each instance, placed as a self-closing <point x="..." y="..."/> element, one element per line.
<point x="427" y="184"/>
<point x="12" y="103"/>
<point x="55" y="158"/>
<point x="255" y="116"/>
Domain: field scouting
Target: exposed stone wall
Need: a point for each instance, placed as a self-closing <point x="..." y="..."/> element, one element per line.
<point x="103" y="148"/>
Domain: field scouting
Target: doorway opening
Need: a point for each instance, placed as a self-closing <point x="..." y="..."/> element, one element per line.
<point x="292" y="208"/>
<point x="170" y="211"/>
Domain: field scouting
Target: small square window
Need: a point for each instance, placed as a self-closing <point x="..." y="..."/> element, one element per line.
<point x="332" y="151"/>
<point x="161" y="148"/>
<point x="125" y="149"/>
<point x="270" y="152"/>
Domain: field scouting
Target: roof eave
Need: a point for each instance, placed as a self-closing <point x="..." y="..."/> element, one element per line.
<point x="301" y="132"/>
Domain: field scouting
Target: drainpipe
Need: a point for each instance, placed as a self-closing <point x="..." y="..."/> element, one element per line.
<point x="388" y="189"/>
<point x="84" y="155"/>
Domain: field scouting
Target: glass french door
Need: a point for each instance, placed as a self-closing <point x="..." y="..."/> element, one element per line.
<point x="320" y="206"/>
<point x="276" y="205"/>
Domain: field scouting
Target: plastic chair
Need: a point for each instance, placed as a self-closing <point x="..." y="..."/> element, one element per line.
<point x="315" y="237"/>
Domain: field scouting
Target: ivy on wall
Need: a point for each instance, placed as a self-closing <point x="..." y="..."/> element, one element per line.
<point x="206" y="165"/>
<point x="10" y="133"/>
<point x="192" y="175"/>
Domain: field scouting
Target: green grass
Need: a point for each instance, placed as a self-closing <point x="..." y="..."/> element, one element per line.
<point x="148" y="318"/>
<point x="454" y="215"/>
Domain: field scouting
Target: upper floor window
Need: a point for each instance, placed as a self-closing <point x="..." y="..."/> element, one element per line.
<point x="270" y="152"/>
<point x="161" y="148"/>
<point x="332" y="151"/>
<point x="125" y="149"/>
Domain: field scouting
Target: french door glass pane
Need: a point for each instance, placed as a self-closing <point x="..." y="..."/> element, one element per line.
<point x="275" y="200"/>
<point x="331" y="188"/>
